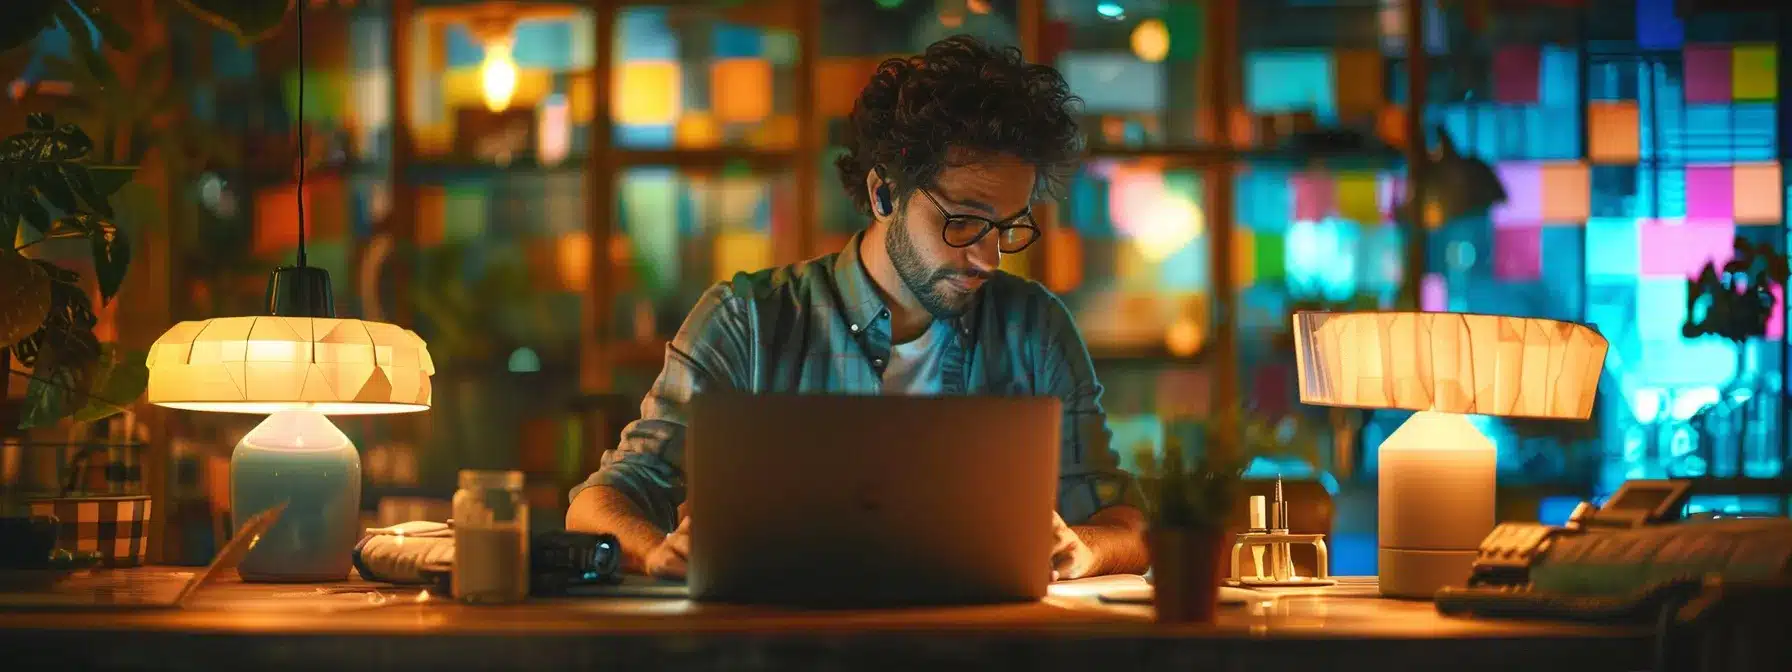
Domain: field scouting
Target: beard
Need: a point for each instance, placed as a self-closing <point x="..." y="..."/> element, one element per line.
<point x="930" y="286"/>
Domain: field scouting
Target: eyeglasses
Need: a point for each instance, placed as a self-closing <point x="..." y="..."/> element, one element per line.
<point x="1016" y="233"/>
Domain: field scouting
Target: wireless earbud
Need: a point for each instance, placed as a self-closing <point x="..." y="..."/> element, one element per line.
<point x="883" y="201"/>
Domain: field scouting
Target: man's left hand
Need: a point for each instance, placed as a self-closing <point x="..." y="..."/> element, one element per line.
<point x="1071" y="558"/>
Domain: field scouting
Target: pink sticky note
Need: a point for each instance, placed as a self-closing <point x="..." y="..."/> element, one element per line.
<point x="1314" y="197"/>
<point x="1434" y="293"/>
<point x="1390" y="189"/>
<point x="1681" y="248"/>
<point x="1516" y="71"/>
<point x="1518" y="253"/>
<point x="1710" y="192"/>
<point x="1776" y="320"/>
<point x="1707" y="74"/>
<point x="1524" y="195"/>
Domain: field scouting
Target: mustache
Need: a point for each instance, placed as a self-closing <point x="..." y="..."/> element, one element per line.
<point x="967" y="274"/>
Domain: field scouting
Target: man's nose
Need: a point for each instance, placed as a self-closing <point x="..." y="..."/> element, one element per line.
<point x="986" y="255"/>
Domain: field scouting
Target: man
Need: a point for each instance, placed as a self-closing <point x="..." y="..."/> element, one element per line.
<point x="949" y="150"/>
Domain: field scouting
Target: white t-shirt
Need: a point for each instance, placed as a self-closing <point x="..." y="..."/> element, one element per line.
<point x="914" y="367"/>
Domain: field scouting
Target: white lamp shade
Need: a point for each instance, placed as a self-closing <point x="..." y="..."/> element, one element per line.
<point x="1449" y="362"/>
<point x="269" y="364"/>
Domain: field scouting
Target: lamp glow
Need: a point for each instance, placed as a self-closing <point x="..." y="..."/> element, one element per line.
<point x="1151" y="41"/>
<point x="497" y="76"/>
<point x="1437" y="470"/>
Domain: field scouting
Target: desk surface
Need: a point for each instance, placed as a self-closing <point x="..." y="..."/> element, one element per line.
<point x="280" y="626"/>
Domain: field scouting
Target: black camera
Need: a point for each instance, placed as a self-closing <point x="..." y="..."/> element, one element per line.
<point x="559" y="561"/>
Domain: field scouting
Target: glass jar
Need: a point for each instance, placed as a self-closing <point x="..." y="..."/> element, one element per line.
<point x="491" y="537"/>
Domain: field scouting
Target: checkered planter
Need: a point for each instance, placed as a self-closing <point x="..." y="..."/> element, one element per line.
<point x="117" y="527"/>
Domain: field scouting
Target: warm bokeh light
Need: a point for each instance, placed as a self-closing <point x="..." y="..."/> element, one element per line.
<point x="1151" y="41"/>
<point x="497" y="77"/>
<point x="1184" y="337"/>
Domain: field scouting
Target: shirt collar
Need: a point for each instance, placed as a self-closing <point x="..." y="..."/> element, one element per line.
<point x="859" y="295"/>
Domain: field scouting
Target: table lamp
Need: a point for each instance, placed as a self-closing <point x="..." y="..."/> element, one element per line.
<point x="1437" y="469"/>
<point x="296" y="364"/>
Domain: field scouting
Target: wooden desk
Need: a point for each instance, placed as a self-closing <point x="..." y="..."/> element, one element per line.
<point x="266" y="627"/>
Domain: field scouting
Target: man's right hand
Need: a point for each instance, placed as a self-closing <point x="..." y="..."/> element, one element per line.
<point x="667" y="560"/>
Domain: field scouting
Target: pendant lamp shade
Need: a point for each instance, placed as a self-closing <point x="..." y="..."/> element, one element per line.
<point x="269" y="364"/>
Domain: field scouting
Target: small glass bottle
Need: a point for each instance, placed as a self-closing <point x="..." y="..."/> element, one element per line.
<point x="491" y="537"/>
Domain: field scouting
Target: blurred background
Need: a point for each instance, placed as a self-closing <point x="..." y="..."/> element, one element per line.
<point x="541" y="190"/>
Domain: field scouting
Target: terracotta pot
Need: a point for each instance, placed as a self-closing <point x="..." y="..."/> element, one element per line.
<point x="1187" y="566"/>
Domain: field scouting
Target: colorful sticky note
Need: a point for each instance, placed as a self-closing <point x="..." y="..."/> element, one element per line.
<point x="1755" y="72"/>
<point x="1515" y="74"/>
<point x="1314" y="196"/>
<point x="464" y="212"/>
<point x="1518" y="253"/>
<point x="1244" y="258"/>
<point x="742" y="89"/>
<point x="838" y="82"/>
<point x="1776" y="318"/>
<point x="277" y="219"/>
<point x="1566" y="192"/>
<point x="737" y="251"/>
<point x="1064" y="259"/>
<point x="1681" y="248"/>
<point x="1524" y="195"/>
<point x="647" y="93"/>
<point x="1612" y="253"/>
<point x="1709" y="191"/>
<point x="1271" y="250"/>
<point x="1360" y="83"/>
<point x="1707" y="74"/>
<point x="1612" y="129"/>
<point x="1357" y="198"/>
<point x="1434" y="293"/>
<point x="1758" y="195"/>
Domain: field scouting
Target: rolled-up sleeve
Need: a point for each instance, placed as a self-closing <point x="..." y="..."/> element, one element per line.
<point x="1090" y="477"/>
<point x="711" y="351"/>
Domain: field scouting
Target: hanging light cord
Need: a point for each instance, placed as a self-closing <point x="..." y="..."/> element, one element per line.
<point x="299" y="16"/>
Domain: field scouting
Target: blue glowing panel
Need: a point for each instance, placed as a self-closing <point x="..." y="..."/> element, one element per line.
<point x="733" y="41"/>
<point x="1555" y="510"/>
<point x="1380" y="259"/>
<point x="645" y="137"/>
<point x="1291" y="81"/>
<point x="1265" y="203"/>
<point x="1089" y="206"/>
<point x="544" y="44"/>
<point x="1657" y="25"/>
<point x="642" y="34"/>
<point x="1564" y="257"/>
<point x="1755" y="132"/>
<point x="463" y="51"/>
<point x="1113" y="82"/>
<point x="1186" y="269"/>
<point x="1321" y="258"/>
<point x="1614" y="251"/>
<point x="1660" y="308"/>
<point x="1262" y="307"/>
<point x="1550" y="132"/>
<point x="1560" y="77"/>
<point x="1681" y="362"/>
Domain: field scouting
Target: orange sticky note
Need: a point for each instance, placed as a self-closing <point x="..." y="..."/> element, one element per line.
<point x="1759" y="194"/>
<point x="1244" y="258"/>
<point x="1566" y="191"/>
<point x="1612" y="127"/>
<point x="1359" y="83"/>
<point x="741" y="89"/>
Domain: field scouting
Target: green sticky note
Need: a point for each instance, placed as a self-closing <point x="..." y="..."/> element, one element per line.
<point x="1186" y="21"/>
<point x="1271" y="251"/>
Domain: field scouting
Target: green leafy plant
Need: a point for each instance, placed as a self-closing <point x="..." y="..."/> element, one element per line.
<point x="1197" y="485"/>
<point x="49" y="192"/>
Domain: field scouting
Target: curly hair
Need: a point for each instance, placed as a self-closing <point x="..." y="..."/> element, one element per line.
<point x="959" y="94"/>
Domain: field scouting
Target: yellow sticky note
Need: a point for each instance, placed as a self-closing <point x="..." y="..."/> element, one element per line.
<point x="741" y="251"/>
<point x="647" y="93"/>
<point x="1754" y="69"/>
<point x="1355" y="194"/>
<point x="1244" y="257"/>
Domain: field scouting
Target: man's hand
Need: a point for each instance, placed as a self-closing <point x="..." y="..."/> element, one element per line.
<point x="1071" y="558"/>
<point x="667" y="560"/>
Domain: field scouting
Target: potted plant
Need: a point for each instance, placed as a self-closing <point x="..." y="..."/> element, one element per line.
<point x="49" y="193"/>
<point x="1193" y="492"/>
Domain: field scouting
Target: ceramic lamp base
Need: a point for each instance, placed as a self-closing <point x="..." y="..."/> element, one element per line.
<point x="298" y="458"/>
<point x="1417" y="575"/>
<point x="1436" y="485"/>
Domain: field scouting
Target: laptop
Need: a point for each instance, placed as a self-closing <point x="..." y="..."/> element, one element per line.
<point x="866" y="501"/>
<point x="143" y="589"/>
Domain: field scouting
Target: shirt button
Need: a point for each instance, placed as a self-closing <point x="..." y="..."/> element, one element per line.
<point x="883" y="313"/>
<point x="879" y="362"/>
<point x="853" y="327"/>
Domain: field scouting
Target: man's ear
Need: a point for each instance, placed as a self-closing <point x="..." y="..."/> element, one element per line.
<point x="877" y="190"/>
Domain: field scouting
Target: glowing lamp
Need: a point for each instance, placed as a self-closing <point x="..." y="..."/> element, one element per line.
<point x="1437" y="470"/>
<point x="296" y="364"/>
<point x="497" y="75"/>
<point x="1151" y="41"/>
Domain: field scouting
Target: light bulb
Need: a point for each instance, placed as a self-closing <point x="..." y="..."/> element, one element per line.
<point x="497" y="75"/>
<point x="1151" y="41"/>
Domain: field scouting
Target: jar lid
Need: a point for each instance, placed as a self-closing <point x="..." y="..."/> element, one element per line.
<point x="477" y="479"/>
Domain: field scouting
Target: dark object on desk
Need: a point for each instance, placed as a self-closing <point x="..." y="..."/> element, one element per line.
<point x="116" y="526"/>
<point x="940" y="500"/>
<point x="560" y="561"/>
<point x="26" y="541"/>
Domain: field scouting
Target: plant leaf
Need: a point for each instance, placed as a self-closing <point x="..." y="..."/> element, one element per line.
<point x="249" y="20"/>
<point x="118" y="381"/>
<point x="41" y="122"/>
<point x="47" y="397"/>
<point x="111" y="250"/>
<point x="68" y="328"/>
<point x="107" y="180"/>
<point x="24" y="297"/>
<point x="34" y="213"/>
<point x="81" y="182"/>
<point x="53" y="188"/>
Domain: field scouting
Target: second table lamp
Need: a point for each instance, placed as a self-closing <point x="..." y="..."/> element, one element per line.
<point x="1437" y="470"/>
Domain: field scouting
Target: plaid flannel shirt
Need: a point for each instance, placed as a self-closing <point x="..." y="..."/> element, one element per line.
<point x="819" y="327"/>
